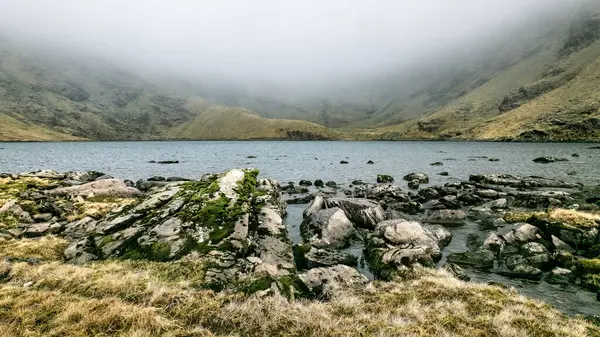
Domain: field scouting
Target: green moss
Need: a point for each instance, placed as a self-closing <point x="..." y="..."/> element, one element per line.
<point x="300" y="252"/>
<point x="106" y="240"/>
<point x="8" y="221"/>
<point x="589" y="266"/>
<point x="262" y="283"/>
<point x="159" y="251"/>
<point x="592" y="281"/>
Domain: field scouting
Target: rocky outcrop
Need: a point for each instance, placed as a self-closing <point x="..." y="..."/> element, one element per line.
<point x="232" y="221"/>
<point x="361" y="212"/>
<point x="520" y="182"/>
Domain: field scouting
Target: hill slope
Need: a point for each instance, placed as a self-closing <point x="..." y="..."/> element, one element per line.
<point x="217" y="122"/>
<point x="14" y="130"/>
<point x="550" y="92"/>
<point x="47" y="96"/>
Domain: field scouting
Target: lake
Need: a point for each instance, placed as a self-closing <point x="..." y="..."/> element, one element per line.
<point x="295" y="160"/>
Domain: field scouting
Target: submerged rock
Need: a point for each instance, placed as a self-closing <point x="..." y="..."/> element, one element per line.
<point x="546" y="160"/>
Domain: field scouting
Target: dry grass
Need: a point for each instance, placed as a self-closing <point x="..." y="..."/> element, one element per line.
<point x="49" y="248"/>
<point x="126" y="298"/>
<point x="14" y="130"/>
<point x="575" y="218"/>
<point x="98" y="207"/>
<point x="515" y="217"/>
<point x="567" y="216"/>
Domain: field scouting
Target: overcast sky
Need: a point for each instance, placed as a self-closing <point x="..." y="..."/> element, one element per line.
<point x="267" y="39"/>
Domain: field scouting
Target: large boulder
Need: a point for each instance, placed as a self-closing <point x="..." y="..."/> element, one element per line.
<point x="396" y="245"/>
<point x="106" y="187"/>
<point x="327" y="282"/>
<point x="361" y="212"/>
<point x="328" y="227"/>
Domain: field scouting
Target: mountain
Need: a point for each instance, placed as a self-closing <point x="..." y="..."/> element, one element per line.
<point x="45" y="95"/>
<point x="552" y="93"/>
<point x="535" y="81"/>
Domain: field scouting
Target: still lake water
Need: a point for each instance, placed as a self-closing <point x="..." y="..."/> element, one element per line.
<point x="295" y="160"/>
<point x="291" y="160"/>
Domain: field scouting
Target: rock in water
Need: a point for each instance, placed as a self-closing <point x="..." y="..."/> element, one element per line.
<point x="232" y="221"/>
<point x="327" y="228"/>
<point x="447" y="217"/>
<point x="420" y="176"/>
<point x="546" y="160"/>
<point x="362" y="212"/>
<point x="396" y="245"/>
<point x="370" y="162"/>
<point x="414" y="184"/>
<point x="384" y="178"/>
<point x="305" y="183"/>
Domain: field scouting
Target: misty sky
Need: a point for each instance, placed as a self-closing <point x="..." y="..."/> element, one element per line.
<point x="266" y="39"/>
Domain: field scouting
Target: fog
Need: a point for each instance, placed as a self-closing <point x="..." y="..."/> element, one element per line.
<point x="269" y="41"/>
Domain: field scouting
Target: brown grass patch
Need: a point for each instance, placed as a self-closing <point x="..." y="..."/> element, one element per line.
<point x="45" y="248"/>
<point x="128" y="298"/>
<point x="575" y="218"/>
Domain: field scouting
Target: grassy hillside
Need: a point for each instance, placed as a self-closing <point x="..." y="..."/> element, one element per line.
<point x="14" y="130"/>
<point x="90" y="99"/>
<point x="218" y="122"/>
